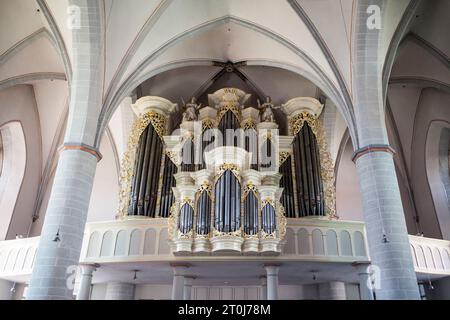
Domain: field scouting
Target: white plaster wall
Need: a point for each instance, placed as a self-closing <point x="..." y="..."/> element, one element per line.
<point x="51" y="99"/>
<point x="105" y="193"/>
<point x="348" y="194"/>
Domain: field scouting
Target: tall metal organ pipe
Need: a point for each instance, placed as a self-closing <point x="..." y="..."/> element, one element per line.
<point x="307" y="174"/>
<point x="251" y="214"/>
<point x="268" y="218"/>
<point x="167" y="197"/>
<point x="146" y="174"/>
<point x="203" y="213"/>
<point x="287" y="197"/>
<point x="227" y="214"/>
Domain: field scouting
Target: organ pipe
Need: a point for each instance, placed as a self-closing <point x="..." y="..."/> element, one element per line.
<point x="167" y="197"/>
<point x="307" y="173"/>
<point x="228" y="200"/>
<point x="287" y="197"/>
<point x="203" y="213"/>
<point x="146" y="174"/>
<point x="268" y="219"/>
<point x="186" y="218"/>
<point x="229" y="121"/>
<point x="251" y="214"/>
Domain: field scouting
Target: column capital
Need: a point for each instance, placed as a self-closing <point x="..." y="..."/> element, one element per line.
<point x="361" y="267"/>
<point x="272" y="269"/>
<point x="179" y="269"/>
<point x="372" y="148"/>
<point x="82" y="147"/>
<point x="88" y="268"/>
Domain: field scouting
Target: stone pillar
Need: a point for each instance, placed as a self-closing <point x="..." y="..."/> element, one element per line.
<point x="187" y="288"/>
<point x="84" y="292"/>
<point x="334" y="290"/>
<point x="6" y="290"/>
<point x="272" y="281"/>
<point x="365" y="282"/>
<point x="63" y="227"/>
<point x="178" y="282"/>
<point x="263" y="288"/>
<point x="120" y="291"/>
<point x="387" y="236"/>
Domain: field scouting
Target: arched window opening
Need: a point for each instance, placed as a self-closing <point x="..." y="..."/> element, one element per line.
<point x="13" y="158"/>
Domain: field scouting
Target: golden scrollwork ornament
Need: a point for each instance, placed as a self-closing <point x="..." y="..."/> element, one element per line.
<point x="326" y="163"/>
<point x="228" y="166"/>
<point x="228" y="107"/>
<point x="158" y="121"/>
<point x="248" y="124"/>
<point x="283" y="156"/>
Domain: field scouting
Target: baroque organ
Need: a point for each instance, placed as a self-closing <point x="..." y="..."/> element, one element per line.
<point x="225" y="179"/>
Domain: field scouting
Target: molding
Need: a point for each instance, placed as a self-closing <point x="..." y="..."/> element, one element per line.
<point x="82" y="147"/>
<point x="421" y="81"/>
<point x="328" y="55"/>
<point x="402" y="166"/>
<point x="42" y="32"/>
<point x="132" y="49"/>
<point x="433" y="50"/>
<point x="371" y="148"/>
<point x="112" y="142"/>
<point x="340" y="153"/>
<point x="396" y="39"/>
<point x="24" y="78"/>
<point x="58" y="38"/>
<point x="51" y="163"/>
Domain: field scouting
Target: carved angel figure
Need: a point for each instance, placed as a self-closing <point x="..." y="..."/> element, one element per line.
<point x="190" y="109"/>
<point x="267" y="110"/>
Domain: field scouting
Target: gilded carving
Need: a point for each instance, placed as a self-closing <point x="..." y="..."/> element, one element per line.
<point x="228" y="166"/>
<point x="229" y="107"/>
<point x="158" y="121"/>
<point x="208" y="124"/>
<point x="248" y="124"/>
<point x="283" y="156"/>
<point x="326" y="163"/>
<point x="217" y="233"/>
<point x="172" y="221"/>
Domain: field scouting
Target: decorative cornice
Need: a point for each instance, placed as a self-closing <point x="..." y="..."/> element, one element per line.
<point x="372" y="148"/>
<point x="82" y="147"/>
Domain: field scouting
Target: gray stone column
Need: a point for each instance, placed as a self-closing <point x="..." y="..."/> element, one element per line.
<point x="63" y="227"/>
<point x="187" y="291"/>
<point x="272" y="281"/>
<point x="263" y="287"/>
<point x="6" y="290"/>
<point x="120" y="291"/>
<point x="62" y="233"/>
<point x="178" y="282"/>
<point x="387" y="236"/>
<point x="365" y="282"/>
<point x="84" y="292"/>
<point x="334" y="290"/>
